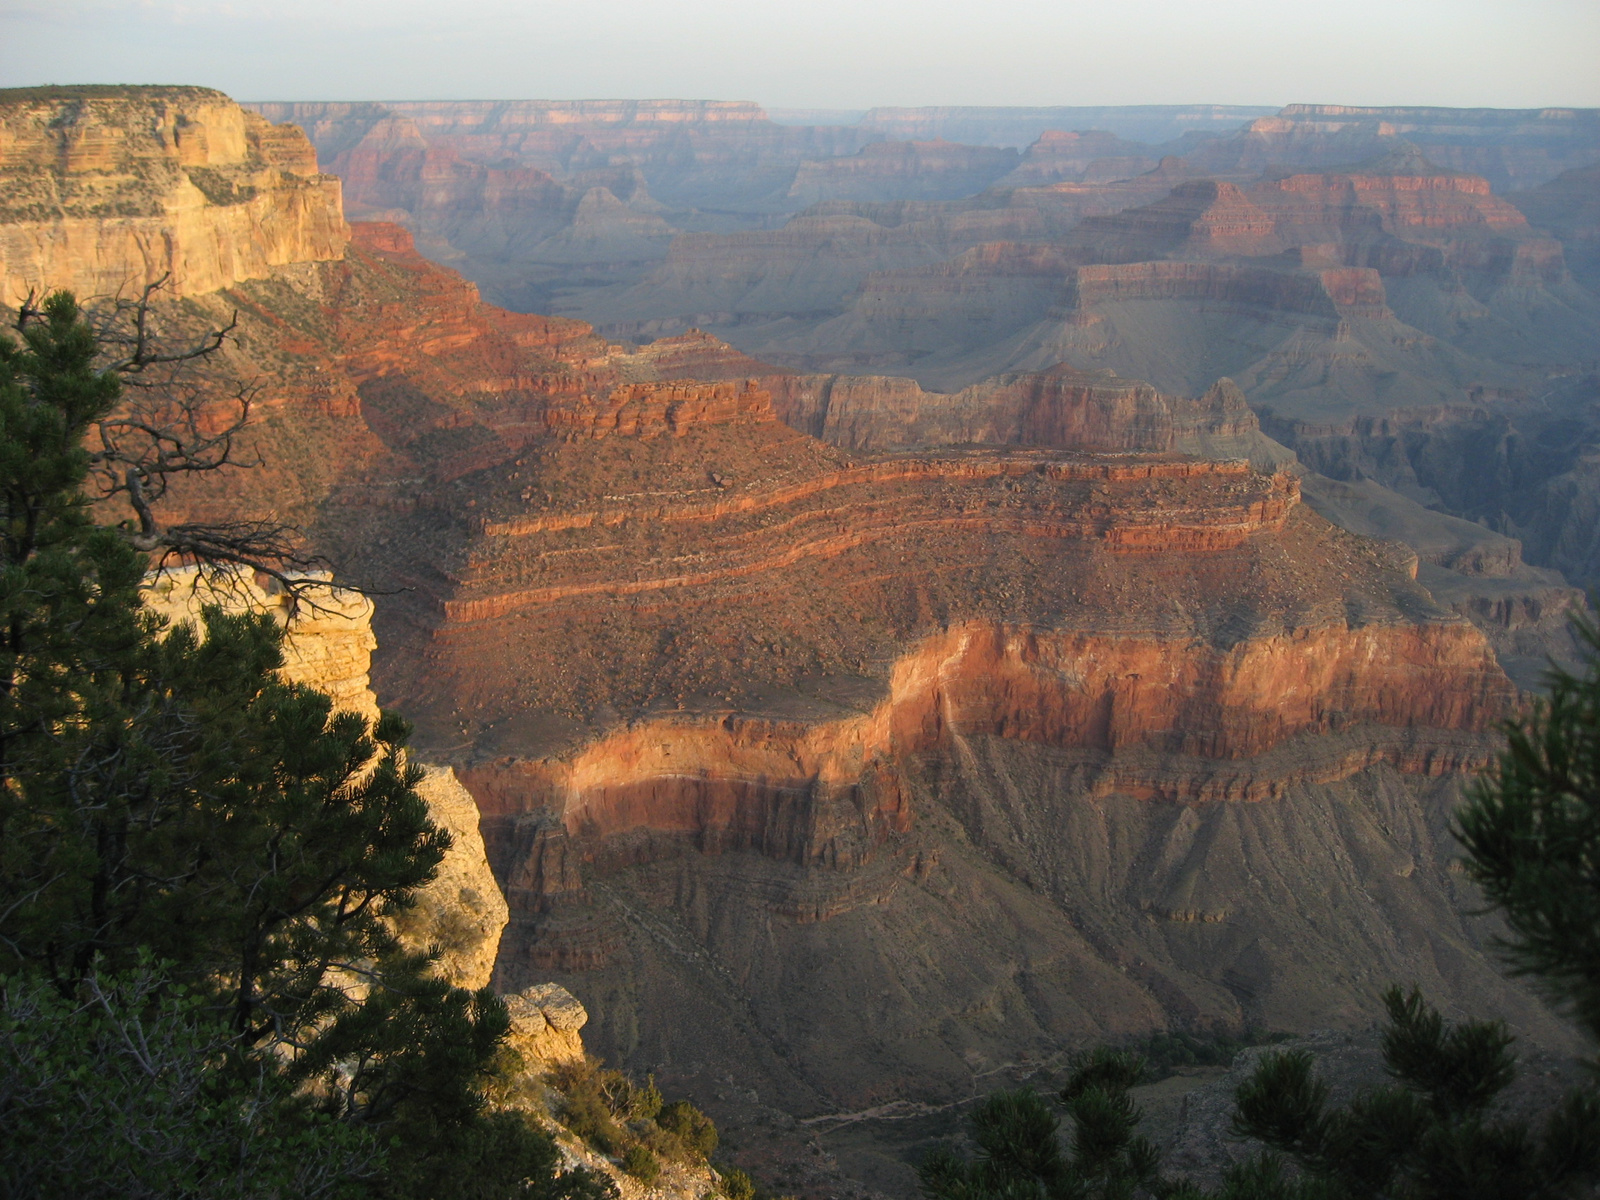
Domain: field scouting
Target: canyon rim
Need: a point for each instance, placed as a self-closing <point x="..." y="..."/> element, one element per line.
<point x="923" y="594"/>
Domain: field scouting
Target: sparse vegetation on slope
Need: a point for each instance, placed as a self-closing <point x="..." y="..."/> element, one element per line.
<point x="202" y="995"/>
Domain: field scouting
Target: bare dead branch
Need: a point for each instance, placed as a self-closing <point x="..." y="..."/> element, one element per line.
<point x="264" y="548"/>
<point x="125" y="326"/>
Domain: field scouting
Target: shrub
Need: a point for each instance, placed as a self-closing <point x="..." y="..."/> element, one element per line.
<point x="641" y="1164"/>
<point x="737" y="1185"/>
<point x="690" y="1126"/>
<point x="1168" y="1051"/>
<point x="584" y="1111"/>
<point x="627" y="1100"/>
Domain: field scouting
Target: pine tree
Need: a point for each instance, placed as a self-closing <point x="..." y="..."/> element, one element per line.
<point x="1431" y="1135"/>
<point x="169" y="805"/>
<point x="1020" y="1152"/>
<point x="1531" y="832"/>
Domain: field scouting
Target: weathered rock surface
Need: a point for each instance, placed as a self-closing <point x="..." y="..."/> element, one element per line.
<point x="850" y="775"/>
<point x="328" y="646"/>
<point x="108" y="189"/>
<point x="690" y="151"/>
<point x="545" y="1024"/>
<point x="1396" y="255"/>
<point x="1524" y="611"/>
<point x="462" y="912"/>
<point x="1061" y="407"/>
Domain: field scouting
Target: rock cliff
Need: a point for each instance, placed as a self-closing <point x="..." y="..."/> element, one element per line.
<point x="690" y="151"/>
<point x="1568" y="207"/>
<point x="545" y="1020"/>
<point x="328" y="646"/>
<point x="1062" y="407"/>
<point x="108" y="189"/>
<point x="851" y="771"/>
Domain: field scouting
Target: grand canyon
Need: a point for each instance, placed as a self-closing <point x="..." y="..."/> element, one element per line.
<point x="910" y="594"/>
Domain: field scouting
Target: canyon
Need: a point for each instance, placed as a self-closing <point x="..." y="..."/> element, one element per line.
<point x="1020" y="619"/>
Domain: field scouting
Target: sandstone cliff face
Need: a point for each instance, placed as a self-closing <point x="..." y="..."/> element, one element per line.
<point x="328" y="646"/>
<point x="545" y="1020"/>
<point x="462" y="912"/>
<point x="108" y="189"/>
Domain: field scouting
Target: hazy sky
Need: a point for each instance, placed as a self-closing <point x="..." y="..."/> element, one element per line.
<point x="825" y="53"/>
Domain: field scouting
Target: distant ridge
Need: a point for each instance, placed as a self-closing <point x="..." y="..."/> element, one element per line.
<point x="1018" y="126"/>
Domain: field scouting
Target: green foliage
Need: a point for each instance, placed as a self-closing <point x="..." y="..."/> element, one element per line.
<point x="503" y="1155"/>
<point x="587" y="1097"/>
<point x="1531" y="832"/>
<point x="119" y="1094"/>
<point x="165" y="797"/>
<point x="629" y="1121"/>
<point x="1169" y="1051"/>
<point x="1429" y="1136"/>
<point x="690" y="1126"/>
<point x="1020" y="1152"/>
<point x="639" y="1162"/>
<point x="737" y="1185"/>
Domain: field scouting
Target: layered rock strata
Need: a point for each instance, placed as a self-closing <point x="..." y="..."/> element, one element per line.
<point x="856" y="774"/>
<point x="1060" y="407"/>
<point x="545" y="1024"/>
<point x="108" y="189"/>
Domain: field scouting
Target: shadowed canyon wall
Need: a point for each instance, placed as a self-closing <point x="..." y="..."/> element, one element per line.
<point x="849" y="741"/>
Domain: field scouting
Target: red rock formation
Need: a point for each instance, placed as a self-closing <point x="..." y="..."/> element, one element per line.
<point x="1094" y="692"/>
<point x="1061" y="408"/>
<point x="393" y="167"/>
<point x="689" y="150"/>
<point x="946" y="746"/>
<point x="1203" y="218"/>
<point x="665" y="636"/>
<point x="1473" y="229"/>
